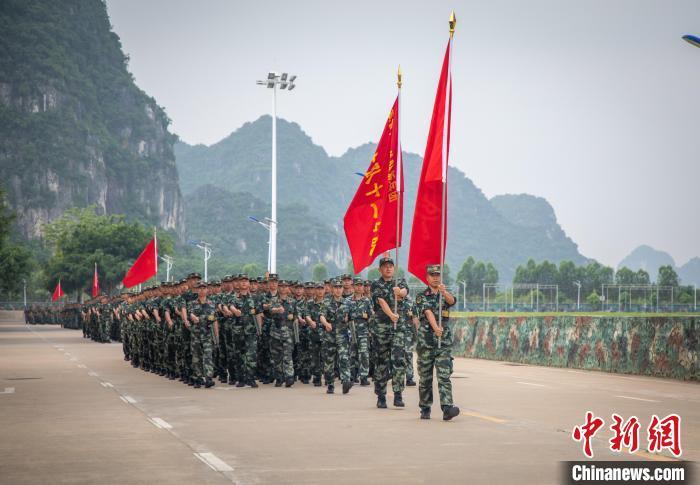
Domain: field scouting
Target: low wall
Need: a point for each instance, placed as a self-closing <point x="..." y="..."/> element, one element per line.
<point x="654" y="346"/>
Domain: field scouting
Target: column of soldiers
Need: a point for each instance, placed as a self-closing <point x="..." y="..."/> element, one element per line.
<point x="244" y="330"/>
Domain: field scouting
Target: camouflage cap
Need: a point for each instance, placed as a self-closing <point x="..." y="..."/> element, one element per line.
<point x="337" y="282"/>
<point x="309" y="284"/>
<point x="194" y="275"/>
<point x="345" y="276"/>
<point x="200" y="284"/>
<point x="243" y="276"/>
<point x="319" y="285"/>
<point x="228" y="278"/>
<point x="358" y="281"/>
<point x="284" y="283"/>
<point x="385" y="260"/>
<point x="273" y="277"/>
<point x="433" y="269"/>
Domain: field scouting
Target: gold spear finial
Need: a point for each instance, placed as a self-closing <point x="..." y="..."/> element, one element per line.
<point x="398" y="77"/>
<point x="453" y="23"/>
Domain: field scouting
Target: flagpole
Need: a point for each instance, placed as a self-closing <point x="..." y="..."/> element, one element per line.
<point x="445" y="140"/>
<point x="399" y="161"/>
<point x="155" y="249"/>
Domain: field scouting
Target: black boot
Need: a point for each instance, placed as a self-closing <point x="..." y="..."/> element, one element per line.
<point x="317" y="382"/>
<point x="209" y="383"/>
<point x="381" y="402"/>
<point x="252" y="383"/>
<point x="346" y="387"/>
<point x="364" y="381"/>
<point x="449" y="412"/>
<point x="289" y="382"/>
<point x="410" y="383"/>
<point x="197" y="384"/>
<point x="425" y="413"/>
<point x="398" y="400"/>
<point x="241" y="383"/>
<point x="331" y="389"/>
<point x="278" y="382"/>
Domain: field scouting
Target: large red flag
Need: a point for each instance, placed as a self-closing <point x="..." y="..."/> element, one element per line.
<point x="429" y="216"/>
<point x="145" y="267"/>
<point x="58" y="292"/>
<point x="373" y="220"/>
<point x="95" y="284"/>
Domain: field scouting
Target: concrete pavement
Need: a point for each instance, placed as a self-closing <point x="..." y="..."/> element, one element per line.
<point x="78" y="413"/>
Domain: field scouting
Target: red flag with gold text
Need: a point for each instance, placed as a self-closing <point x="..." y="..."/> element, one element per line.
<point x="373" y="219"/>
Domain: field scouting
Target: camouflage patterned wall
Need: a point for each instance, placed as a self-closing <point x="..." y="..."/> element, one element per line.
<point x="657" y="346"/>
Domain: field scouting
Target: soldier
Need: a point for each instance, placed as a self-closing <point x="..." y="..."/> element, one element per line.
<point x="331" y="313"/>
<point x="388" y="335"/>
<point x="312" y="317"/>
<point x="359" y="314"/>
<point x="281" y="338"/>
<point x="228" y="315"/>
<point x="265" y="367"/>
<point x="434" y="354"/>
<point x="304" y="348"/>
<point x="245" y="334"/>
<point x="348" y="291"/>
<point x="202" y="314"/>
<point x="190" y="333"/>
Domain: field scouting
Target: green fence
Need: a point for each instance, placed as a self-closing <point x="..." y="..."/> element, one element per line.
<point x="654" y="346"/>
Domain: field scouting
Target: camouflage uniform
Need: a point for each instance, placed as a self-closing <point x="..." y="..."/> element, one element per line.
<point x="313" y="311"/>
<point x="359" y="313"/>
<point x="245" y="339"/>
<point x="202" y="342"/>
<point x="389" y="342"/>
<point x="265" y="368"/>
<point x="429" y="355"/>
<point x="332" y="310"/>
<point x="282" y="340"/>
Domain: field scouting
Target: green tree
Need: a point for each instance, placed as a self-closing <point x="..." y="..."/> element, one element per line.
<point x="319" y="272"/>
<point x="625" y="276"/>
<point x="253" y="270"/>
<point x="667" y="276"/>
<point x="16" y="261"/>
<point x="641" y="277"/>
<point x="291" y="272"/>
<point x="373" y="274"/>
<point x="80" y="238"/>
<point x="594" y="300"/>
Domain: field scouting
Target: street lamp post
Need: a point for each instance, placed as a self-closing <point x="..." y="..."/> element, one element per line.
<point x="24" y="280"/>
<point x="273" y="81"/>
<point x="168" y="265"/>
<point x="206" y="247"/>
<point x="464" y="294"/>
<point x="267" y="225"/>
<point x="578" y="295"/>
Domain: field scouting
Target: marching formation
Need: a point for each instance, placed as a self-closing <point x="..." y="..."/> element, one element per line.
<point x="245" y="330"/>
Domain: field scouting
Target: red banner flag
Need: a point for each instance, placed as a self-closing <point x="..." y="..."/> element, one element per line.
<point x="431" y="202"/>
<point x="373" y="219"/>
<point x="145" y="267"/>
<point x="95" y="284"/>
<point x="58" y="292"/>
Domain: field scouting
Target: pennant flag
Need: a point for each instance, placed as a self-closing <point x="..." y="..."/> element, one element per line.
<point x="373" y="219"/>
<point x="58" y="292"/>
<point x="95" y="284"/>
<point x="430" y="217"/>
<point x="145" y="267"/>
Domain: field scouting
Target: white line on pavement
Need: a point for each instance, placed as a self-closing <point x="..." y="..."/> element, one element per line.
<point x="106" y="384"/>
<point x="82" y="366"/>
<point x="637" y="398"/>
<point x="8" y="390"/>
<point x="214" y="462"/>
<point x="531" y="384"/>
<point x="60" y="349"/>
<point x="160" y="423"/>
<point x="93" y="374"/>
<point x="128" y="399"/>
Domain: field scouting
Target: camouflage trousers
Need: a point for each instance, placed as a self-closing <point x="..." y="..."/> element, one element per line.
<point x="202" y="344"/>
<point x="265" y="368"/>
<point x="390" y="357"/>
<point x="245" y="350"/>
<point x="304" y="353"/>
<point x="124" y="337"/>
<point x="223" y="359"/>
<point x="360" y="350"/>
<point x="170" y="343"/>
<point x="281" y="347"/>
<point x="410" y="334"/>
<point x="343" y="344"/>
<point x="431" y="358"/>
<point x="316" y="362"/>
<point x="328" y="356"/>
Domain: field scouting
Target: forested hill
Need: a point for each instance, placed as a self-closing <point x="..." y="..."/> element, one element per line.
<point x="74" y="128"/>
<point x="507" y="230"/>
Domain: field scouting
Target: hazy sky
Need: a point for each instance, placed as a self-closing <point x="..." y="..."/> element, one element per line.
<point x="590" y="104"/>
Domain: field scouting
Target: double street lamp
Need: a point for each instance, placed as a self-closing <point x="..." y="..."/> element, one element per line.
<point x="282" y="81"/>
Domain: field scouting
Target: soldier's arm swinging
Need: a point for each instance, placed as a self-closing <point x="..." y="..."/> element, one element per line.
<point x="388" y="311"/>
<point x="433" y="323"/>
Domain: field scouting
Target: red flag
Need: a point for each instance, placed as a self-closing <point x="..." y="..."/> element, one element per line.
<point x="145" y="267"/>
<point x="58" y="292"/>
<point x="373" y="219"/>
<point x="95" y="284"/>
<point x="432" y="186"/>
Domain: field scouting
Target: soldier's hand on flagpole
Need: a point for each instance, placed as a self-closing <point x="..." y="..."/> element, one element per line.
<point x="394" y="317"/>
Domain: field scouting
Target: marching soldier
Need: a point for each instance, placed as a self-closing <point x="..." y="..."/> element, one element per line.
<point x="331" y="313"/>
<point x="359" y="314"/>
<point x="435" y="346"/>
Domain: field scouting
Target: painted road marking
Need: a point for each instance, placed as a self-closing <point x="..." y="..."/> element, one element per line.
<point x="106" y="384"/>
<point x="531" y="384"/>
<point x="637" y="398"/>
<point x="484" y="416"/>
<point x="160" y="423"/>
<point x="60" y="349"/>
<point x="93" y="374"/>
<point x="82" y="366"/>
<point x="8" y="390"/>
<point x="214" y="462"/>
<point x="128" y="399"/>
